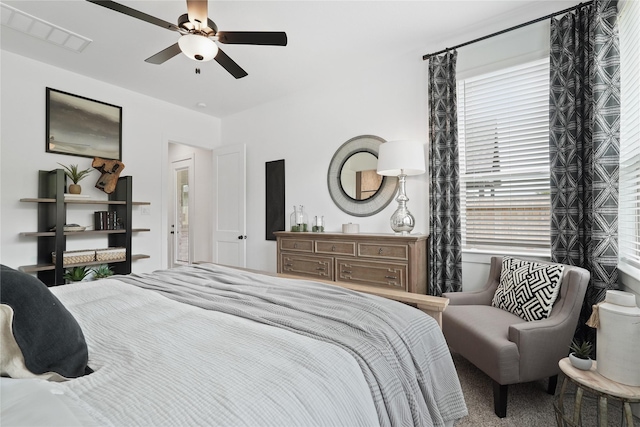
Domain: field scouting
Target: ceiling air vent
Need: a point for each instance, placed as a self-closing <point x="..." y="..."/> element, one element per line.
<point x="43" y="30"/>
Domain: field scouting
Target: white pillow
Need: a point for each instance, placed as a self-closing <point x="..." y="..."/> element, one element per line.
<point x="528" y="289"/>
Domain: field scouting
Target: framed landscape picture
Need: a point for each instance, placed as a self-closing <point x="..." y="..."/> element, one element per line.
<point x="84" y="127"/>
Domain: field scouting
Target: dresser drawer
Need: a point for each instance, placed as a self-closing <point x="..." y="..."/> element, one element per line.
<point x="389" y="275"/>
<point x="298" y="245"/>
<point x="336" y="248"/>
<point x="383" y="251"/>
<point x="308" y="266"/>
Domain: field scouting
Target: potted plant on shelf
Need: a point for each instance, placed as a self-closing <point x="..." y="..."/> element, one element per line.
<point x="76" y="176"/>
<point x="580" y="355"/>
<point x="102" y="271"/>
<point x="76" y="274"/>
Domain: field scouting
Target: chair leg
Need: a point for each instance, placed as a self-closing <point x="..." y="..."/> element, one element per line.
<point x="500" y="399"/>
<point x="553" y="382"/>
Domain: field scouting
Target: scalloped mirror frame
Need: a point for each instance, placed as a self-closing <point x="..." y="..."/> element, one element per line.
<point x="375" y="203"/>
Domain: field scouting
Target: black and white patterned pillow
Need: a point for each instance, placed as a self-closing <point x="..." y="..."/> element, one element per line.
<point x="528" y="289"/>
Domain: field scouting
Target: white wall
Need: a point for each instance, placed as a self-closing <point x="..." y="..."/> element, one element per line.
<point x="306" y="129"/>
<point x="148" y="126"/>
<point x="388" y="100"/>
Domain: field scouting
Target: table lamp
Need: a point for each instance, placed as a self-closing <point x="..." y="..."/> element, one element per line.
<point x="401" y="158"/>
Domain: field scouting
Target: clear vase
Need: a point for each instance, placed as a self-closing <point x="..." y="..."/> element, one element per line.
<point x="318" y="224"/>
<point x="299" y="220"/>
<point x="303" y="220"/>
<point x="293" y="219"/>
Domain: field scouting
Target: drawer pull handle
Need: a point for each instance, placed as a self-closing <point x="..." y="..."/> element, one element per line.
<point x="288" y="265"/>
<point x="346" y="272"/>
<point x="390" y="277"/>
<point x="333" y="248"/>
<point x="295" y="246"/>
<point x="380" y="251"/>
<point x="320" y="268"/>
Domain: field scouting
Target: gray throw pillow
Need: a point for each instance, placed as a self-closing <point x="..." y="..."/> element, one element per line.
<point x="40" y="337"/>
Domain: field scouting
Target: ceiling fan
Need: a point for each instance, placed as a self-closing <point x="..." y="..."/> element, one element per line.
<point x="198" y="35"/>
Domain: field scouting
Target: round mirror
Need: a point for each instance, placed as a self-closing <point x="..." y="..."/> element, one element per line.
<point x="354" y="185"/>
<point x="358" y="176"/>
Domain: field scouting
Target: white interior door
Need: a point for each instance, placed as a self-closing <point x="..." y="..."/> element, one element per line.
<point x="182" y="222"/>
<point x="229" y="205"/>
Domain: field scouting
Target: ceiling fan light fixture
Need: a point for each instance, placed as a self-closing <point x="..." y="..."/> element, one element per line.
<point x="197" y="47"/>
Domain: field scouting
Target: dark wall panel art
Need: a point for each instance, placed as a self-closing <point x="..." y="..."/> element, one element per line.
<point x="274" y="204"/>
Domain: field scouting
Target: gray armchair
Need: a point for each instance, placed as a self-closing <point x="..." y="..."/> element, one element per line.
<point x="507" y="348"/>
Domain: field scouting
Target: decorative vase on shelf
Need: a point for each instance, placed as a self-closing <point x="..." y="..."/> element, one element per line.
<point x="583" y="364"/>
<point x="75" y="175"/>
<point x="618" y="337"/>
<point x="303" y="220"/>
<point x="318" y="224"/>
<point x="299" y="220"/>
<point x="580" y="353"/>
<point x="293" y="219"/>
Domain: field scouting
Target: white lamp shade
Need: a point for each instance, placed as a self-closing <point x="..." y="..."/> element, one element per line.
<point x="401" y="157"/>
<point x="197" y="47"/>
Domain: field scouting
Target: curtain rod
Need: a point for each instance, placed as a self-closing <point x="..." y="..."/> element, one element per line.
<point x="578" y="6"/>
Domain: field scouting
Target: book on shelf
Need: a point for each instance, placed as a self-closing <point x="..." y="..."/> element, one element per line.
<point x="100" y="220"/>
<point x="106" y="220"/>
<point x="76" y="196"/>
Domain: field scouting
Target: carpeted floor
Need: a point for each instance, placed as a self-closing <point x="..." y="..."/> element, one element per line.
<point x="528" y="404"/>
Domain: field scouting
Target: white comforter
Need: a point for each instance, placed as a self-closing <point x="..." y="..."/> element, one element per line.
<point x="215" y="370"/>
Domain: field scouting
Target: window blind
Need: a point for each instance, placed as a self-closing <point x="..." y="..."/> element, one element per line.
<point x="629" y="184"/>
<point x="503" y="132"/>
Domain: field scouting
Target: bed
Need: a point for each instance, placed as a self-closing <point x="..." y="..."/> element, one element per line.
<point x="218" y="346"/>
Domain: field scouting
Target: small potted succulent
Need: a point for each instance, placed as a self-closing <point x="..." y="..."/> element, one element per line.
<point x="580" y="355"/>
<point x="76" y="274"/>
<point x="102" y="271"/>
<point x="76" y="176"/>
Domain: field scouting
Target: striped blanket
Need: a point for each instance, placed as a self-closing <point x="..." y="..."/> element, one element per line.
<point x="400" y="350"/>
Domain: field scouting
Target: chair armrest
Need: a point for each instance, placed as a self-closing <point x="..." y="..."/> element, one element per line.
<point x="542" y="343"/>
<point x="481" y="297"/>
<point x="563" y="320"/>
<point x="529" y="335"/>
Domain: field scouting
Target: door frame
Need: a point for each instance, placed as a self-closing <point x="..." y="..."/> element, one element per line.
<point x="189" y="164"/>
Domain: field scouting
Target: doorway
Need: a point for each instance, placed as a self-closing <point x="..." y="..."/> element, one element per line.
<point x="182" y="173"/>
<point x="182" y="249"/>
<point x="189" y="204"/>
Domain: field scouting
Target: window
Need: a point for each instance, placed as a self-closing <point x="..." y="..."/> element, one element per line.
<point x="629" y="206"/>
<point x="503" y="132"/>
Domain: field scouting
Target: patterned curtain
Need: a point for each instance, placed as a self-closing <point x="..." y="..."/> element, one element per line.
<point x="445" y="240"/>
<point x="584" y="147"/>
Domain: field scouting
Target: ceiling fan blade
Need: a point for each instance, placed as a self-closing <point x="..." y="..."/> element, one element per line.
<point x="230" y="65"/>
<point x="164" y="55"/>
<point x="197" y="10"/>
<point x="271" y="38"/>
<point x="134" y="13"/>
<point x="212" y="25"/>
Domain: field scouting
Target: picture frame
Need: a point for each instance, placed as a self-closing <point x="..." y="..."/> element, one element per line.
<point x="84" y="127"/>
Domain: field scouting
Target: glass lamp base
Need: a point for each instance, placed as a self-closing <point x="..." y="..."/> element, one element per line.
<point x="402" y="221"/>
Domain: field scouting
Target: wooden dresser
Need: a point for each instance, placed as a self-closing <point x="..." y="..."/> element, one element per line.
<point x="377" y="260"/>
